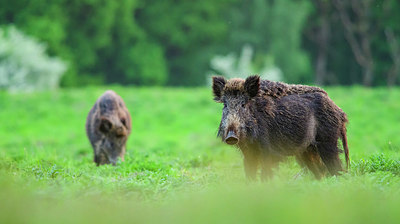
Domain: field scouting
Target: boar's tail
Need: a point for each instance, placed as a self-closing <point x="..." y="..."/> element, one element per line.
<point x="343" y="136"/>
<point x="345" y="147"/>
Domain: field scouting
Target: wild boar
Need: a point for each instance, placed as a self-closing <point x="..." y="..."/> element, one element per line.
<point x="108" y="126"/>
<point x="269" y="121"/>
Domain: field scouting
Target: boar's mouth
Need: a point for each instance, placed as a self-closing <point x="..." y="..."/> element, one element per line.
<point x="118" y="135"/>
<point x="107" y="160"/>
<point x="103" y="158"/>
<point x="231" y="138"/>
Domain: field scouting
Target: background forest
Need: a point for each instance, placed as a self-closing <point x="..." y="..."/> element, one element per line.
<point x="176" y="42"/>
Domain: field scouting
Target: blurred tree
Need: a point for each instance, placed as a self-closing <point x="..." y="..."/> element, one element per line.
<point x="144" y="64"/>
<point x="274" y="29"/>
<point x="99" y="38"/>
<point x="319" y="31"/>
<point x="172" y="42"/>
<point x="358" y="33"/>
<point x="132" y="57"/>
<point x="387" y="52"/>
<point x="24" y="63"/>
<point x="364" y="45"/>
<point x="188" y="31"/>
<point x="324" y="40"/>
<point x="44" y="20"/>
<point x="394" y="47"/>
<point x="89" y="31"/>
<point x="233" y="66"/>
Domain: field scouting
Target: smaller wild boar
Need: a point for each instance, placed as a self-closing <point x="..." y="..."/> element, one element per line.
<point x="108" y="126"/>
<point x="269" y="121"/>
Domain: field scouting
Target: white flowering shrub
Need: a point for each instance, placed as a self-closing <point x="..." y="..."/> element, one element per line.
<point x="232" y="66"/>
<point x="24" y="64"/>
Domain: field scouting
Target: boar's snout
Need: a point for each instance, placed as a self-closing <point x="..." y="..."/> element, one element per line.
<point x="231" y="138"/>
<point x="120" y="132"/>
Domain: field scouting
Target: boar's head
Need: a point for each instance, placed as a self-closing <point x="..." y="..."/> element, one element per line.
<point x="237" y="95"/>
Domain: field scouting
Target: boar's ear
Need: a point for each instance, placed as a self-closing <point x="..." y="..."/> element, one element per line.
<point x="105" y="125"/>
<point x="252" y="85"/>
<point x="218" y="85"/>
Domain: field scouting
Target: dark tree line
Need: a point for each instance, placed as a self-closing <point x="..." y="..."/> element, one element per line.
<point x="355" y="42"/>
<point x="171" y="42"/>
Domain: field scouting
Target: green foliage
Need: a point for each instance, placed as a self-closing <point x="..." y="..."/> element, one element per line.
<point x="144" y="64"/>
<point x="382" y="47"/>
<point x="172" y="42"/>
<point x="176" y="170"/>
<point x="369" y="21"/>
<point x="287" y="19"/>
<point x="376" y="163"/>
<point x="189" y="33"/>
<point x="99" y="39"/>
<point x="273" y="28"/>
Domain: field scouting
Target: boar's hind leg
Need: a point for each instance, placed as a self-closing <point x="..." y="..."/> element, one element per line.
<point x="329" y="153"/>
<point x="312" y="161"/>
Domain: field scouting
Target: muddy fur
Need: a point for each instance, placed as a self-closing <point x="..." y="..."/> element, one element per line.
<point x="269" y="121"/>
<point x="108" y="126"/>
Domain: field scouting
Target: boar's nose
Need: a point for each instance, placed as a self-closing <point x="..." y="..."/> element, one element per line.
<point x="120" y="132"/>
<point x="231" y="138"/>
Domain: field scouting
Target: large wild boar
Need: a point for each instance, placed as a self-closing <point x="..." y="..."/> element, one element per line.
<point x="108" y="126"/>
<point x="269" y="121"/>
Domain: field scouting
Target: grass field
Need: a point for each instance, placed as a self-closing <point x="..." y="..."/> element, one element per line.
<point x="176" y="170"/>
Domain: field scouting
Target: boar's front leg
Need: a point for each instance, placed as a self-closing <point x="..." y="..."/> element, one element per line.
<point x="268" y="162"/>
<point x="251" y="160"/>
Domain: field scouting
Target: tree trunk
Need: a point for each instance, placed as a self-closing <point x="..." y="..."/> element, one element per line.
<point x="394" y="71"/>
<point x="368" y="75"/>
<point x="357" y="33"/>
<point x="323" y="39"/>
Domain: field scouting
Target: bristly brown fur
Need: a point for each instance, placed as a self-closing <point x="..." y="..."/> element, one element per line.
<point x="108" y="126"/>
<point x="266" y="87"/>
<point x="272" y="120"/>
<point x="279" y="89"/>
<point x="234" y="84"/>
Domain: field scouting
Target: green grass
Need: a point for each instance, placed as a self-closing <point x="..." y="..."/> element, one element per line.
<point x="177" y="171"/>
